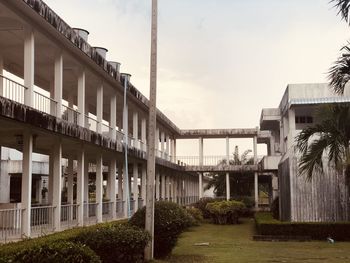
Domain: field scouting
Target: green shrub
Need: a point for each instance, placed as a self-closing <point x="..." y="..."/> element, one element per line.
<point x="248" y="201"/>
<point x="267" y="225"/>
<point x="56" y="252"/>
<point x="170" y="220"/>
<point x="202" y="204"/>
<point x="115" y="243"/>
<point x="225" y="212"/>
<point x="196" y="214"/>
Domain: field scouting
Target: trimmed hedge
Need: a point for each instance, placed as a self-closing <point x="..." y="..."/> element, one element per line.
<point x="267" y="225"/>
<point x="225" y="212"/>
<point x="58" y="252"/>
<point x="201" y="204"/>
<point x="116" y="243"/>
<point x="113" y="242"/>
<point x="170" y="220"/>
<point x="196" y="214"/>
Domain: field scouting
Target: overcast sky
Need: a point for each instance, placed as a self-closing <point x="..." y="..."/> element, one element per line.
<point x="220" y="61"/>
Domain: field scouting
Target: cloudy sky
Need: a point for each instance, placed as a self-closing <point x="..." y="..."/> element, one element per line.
<point x="220" y="61"/>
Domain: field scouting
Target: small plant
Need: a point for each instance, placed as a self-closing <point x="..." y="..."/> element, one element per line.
<point x="225" y="212"/>
<point x="170" y="220"/>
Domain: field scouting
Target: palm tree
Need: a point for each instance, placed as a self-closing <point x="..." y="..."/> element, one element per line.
<point x="329" y="137"/>
<point x="339" y="74"/>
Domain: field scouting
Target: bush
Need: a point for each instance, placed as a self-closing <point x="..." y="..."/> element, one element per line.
<point x="267" y="225"/>
<point x="116" y="243"/>
<point x="275" y="208"/>
<point x="225" y="212"/>
<point x="170" y="220"/>
<point x="196" y="214"/>
<point x="57" y="252"/>
<point x="202" y="204"/>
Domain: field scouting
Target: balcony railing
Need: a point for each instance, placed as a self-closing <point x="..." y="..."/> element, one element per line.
<point x="42" y="219"/>
<point x="12" y="89"/>
<point x="10" y="223"/>
<point x="44" y="103"/>
<point x="213" y="160"/>
<point x="69" y="114"/>
<point x="69" y="215"/>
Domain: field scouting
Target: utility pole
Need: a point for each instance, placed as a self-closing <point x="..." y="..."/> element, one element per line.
<point x="151" y="160"/>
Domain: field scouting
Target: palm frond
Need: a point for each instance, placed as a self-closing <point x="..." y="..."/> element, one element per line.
<point x="339" y="73"/>
<point x="343" y="7"/>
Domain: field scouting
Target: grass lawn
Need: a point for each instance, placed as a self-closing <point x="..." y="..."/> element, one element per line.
<point x="234" y="244"/>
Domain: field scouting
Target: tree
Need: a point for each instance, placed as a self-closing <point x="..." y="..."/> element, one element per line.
<point x="218" y="181"/>
<point x="330" y="137"/>
<point x="339" y="74"/>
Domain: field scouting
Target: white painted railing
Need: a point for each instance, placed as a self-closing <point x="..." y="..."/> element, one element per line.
<point x="69" y="215"/>
<point x="12" y="89"/>
<point x="69" y="114"/>
<point x="42" y="219"/>
<point x="212" y="160"/>
<point x="44" y="103"/>
<point x="107" y="210"/>
<point x="120" y="208"/>
<point x="10" y="223"/>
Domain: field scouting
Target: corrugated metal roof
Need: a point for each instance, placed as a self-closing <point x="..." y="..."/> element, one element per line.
<point x="300" y="101"/>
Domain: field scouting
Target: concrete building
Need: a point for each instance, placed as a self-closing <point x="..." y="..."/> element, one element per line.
<point x="325" y="197"/>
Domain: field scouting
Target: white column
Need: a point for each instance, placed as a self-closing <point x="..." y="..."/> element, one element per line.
<point x="80" y="185"/>
<point x="135" y="128"/>
<point x="167" y="187"/>
<point x="58" y="84"/>
<point x="200" y="185"/>
<point x="29" y="56"/>
<point x="143" y="182"/>
<point x="126" y="193"/>
<point x="135" y="185"/>
<point x="144" y="134"/>
<point x="57" y="183"/>
<point x="167" y="146"/>
<point x="112" y="185"/>
<point x="86" y="181"/>
<point x="120" y="181"/>
<point x="99" y="107"/>
<point x="256" y="190"/>
<point x="200" y="151"/>
<point x="99" y="187"/>
<point x="228" y="190"/>
<point x="162" y="141"/>
<point x="157" y="185"/>
<point x="2" y="74"/>
<point x="157" y="142"/>
<point x="70" y="175"/>
<point x="26" y="194"/>
<point x="113" y="116"/>
<point x="81" y="98"/>
<point x="162" y="187"/>
<point x="173" y="157"/>
<point x="255" y="142"/>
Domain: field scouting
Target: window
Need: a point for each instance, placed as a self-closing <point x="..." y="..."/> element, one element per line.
<point x="303" y="119"/>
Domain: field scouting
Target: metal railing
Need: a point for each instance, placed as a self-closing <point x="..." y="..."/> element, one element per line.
<point x="212" y="160"/>
<point x="107" y="210"/>
<point x="69" y="215"/>
<point x="10" y="223"/>
<point x="12" y="89"/>
<point x="69" y="114"/>
<point x="106" y="130"/>
<point x="90" y="123"/>
<point x="44" y="103"/>
<point x="42" y="219"/>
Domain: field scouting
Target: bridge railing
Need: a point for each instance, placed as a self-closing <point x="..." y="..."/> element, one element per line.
<point x="214" y="160"/>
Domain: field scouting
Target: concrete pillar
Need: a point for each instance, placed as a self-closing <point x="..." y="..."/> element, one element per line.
<point x="99" y="108"/>
<point x="99" y="187"/>
<point x="167" y="187"/>
<point x="29" y="56"/>
<point x="255" y="143"/>
<point x="86" y="181"/>
<point x="120" y="181"/>
<point x="81" y="98"/>
<point x="135" y="185"/>
<point x="113" y="116"/>
<point x="167" y="146"/>
<point x="256" y="190"/>
<point x="135" y="129"/>
<point x="157" y="140"/>
<point x="162" y="143"/>
<point x="80" y="185"/>
<point x="200" y="185"/>
<point x="173" y="157"/>
<point x="291" y="128"/>
<point x="126" y="192"/>
<point x="143" y="182"/>
<point x="144" y="134"/>
<point x="228" y="190"/>
<point x="57" y="183"/>
<point x="58" y="84"/>
<point x="162" y="188"/>
<point x="200" y="151"/>
<point x="26" y="194"/>
<point x="174" y="150"/>
<point x="1" y="75"/>
<point x="157" y="185"/>
<point x="50" y="184"/>
<point x="70" y="175"/>
<point x="112" y="185"/>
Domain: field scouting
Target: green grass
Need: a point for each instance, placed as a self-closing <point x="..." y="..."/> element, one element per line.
<point x="234" y="244"/>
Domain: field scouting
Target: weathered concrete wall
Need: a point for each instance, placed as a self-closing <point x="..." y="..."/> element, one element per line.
<point x="284" y="188"/>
